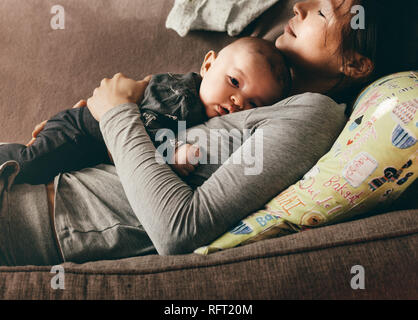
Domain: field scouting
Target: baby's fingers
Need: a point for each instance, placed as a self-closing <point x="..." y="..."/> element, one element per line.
<point x="184" y="172"/>
<point x="193" y="154"/>
<point x="189" y="168"/>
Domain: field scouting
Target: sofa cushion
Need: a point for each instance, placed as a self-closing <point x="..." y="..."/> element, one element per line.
<point x="371" y="163"/>
<point x="306" y="265"/>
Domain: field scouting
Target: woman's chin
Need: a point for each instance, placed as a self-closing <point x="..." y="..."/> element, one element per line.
<point x="284" y="43"/>
<point x="285" y="48"/>
<point x="279" y="41"/>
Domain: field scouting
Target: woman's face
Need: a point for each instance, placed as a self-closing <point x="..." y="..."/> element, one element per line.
<point x="313" y="35"/>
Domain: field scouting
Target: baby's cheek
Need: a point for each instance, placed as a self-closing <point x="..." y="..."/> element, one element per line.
<point x="212" y="90"/>
<point x="205" y="92"/>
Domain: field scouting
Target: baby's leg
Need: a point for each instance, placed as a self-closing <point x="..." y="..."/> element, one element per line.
<point x="70" y="141"/>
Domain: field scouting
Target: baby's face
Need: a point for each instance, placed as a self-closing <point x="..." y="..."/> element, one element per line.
<point x="236" y="80"/>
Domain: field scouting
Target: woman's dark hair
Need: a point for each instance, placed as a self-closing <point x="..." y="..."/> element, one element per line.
<point x="389" y="40"/>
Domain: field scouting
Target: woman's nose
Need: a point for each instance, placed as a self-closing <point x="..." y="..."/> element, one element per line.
<point x="299" y="9"/>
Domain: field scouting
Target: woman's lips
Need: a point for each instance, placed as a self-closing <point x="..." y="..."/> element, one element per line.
<point x="289" y="30"/>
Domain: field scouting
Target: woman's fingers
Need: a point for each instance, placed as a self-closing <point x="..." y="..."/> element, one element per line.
<point x="118" y="75"/>
<point x="104" y="81"/>
<point x="38" y="128"/>
<point x="147" y="78"/>
<point x="116" y="91"/>
<point x="30" y="142"/>
<point x="81" y="103"/>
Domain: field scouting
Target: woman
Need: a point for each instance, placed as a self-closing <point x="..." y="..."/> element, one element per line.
<point x="140" y="205"/>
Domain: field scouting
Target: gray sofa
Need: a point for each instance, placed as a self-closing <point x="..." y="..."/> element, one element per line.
<point x="45" y="71"/>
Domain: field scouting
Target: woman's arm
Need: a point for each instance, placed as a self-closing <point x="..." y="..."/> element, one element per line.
<point x="179" y="219"/>
<point x="176" y="218"/>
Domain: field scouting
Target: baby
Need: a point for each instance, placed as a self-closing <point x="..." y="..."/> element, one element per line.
<point x="248" y="73"/>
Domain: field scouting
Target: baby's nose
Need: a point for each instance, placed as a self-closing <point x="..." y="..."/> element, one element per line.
<point x="237" y="101"/>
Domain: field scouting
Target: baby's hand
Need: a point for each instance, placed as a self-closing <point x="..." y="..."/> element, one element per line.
<point x="186" y="159"/>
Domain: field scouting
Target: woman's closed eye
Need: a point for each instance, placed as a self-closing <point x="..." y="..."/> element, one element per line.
<point x="321" y="14"/>
<point x="234" y="82"/>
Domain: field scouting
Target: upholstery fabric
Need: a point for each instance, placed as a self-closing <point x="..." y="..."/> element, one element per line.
<point x="315" y="264"/>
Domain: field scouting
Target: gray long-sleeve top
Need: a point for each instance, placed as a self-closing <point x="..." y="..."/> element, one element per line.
<point x="141" y="205"/>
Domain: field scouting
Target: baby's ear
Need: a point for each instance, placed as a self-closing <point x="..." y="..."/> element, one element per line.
<point x="207" y="62"/>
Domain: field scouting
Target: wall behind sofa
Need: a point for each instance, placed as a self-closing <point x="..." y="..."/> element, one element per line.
<point x="45" y="71"/>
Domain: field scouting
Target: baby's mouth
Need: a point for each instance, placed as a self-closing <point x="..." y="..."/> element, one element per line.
<point x="221" y="110"/>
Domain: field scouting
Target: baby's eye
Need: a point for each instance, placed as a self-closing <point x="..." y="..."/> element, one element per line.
<point x="321" y="14"/>
<point x="234" y="82"/>
<point x="253" y="105"/>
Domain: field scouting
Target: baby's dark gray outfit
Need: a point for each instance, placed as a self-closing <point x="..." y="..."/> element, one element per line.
<point x="72" y="140"/>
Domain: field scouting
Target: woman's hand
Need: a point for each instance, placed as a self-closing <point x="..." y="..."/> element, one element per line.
<point x="116" y="91"/>
<point x="40" y="126"/>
